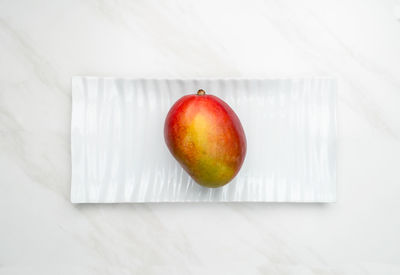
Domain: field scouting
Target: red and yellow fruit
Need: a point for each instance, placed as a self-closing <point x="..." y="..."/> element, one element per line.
<point x="206" y="137"/>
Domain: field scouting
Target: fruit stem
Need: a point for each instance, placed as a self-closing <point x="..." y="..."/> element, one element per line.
<point x="201" y="92"/>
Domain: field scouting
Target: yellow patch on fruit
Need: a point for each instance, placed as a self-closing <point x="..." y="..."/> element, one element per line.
<point x="202" y="153"/>
<point x="198" y="130"/>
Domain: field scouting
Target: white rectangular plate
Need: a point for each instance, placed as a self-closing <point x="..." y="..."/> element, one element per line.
<point x="119" y="153"/>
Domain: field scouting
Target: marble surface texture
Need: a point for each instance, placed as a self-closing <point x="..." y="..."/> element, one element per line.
<point x="43" y="43"/>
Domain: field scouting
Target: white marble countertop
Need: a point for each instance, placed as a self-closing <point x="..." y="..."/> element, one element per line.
<point x="43" y="43"/>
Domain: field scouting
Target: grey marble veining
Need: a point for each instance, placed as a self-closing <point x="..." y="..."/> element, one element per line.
<point x="43" y="43"/>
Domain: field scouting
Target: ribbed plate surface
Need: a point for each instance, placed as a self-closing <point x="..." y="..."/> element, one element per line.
<point x="119" y="154"/>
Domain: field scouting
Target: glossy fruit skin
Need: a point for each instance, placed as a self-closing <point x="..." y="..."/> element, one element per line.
<point x="206" y="137"/>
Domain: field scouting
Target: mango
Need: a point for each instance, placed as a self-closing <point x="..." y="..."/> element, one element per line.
<point x="206" y="137"/>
